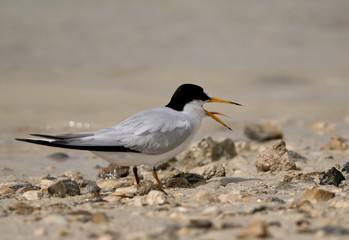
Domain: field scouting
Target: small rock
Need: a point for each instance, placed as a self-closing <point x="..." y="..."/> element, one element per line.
<point x="46" y="183"/>
<point x="333" y="230"/>
<point x="19" y="186"/>
<point x="65" y="187"/>
<point x="317" y="195"/>
<point x="177" y="182"/>
<point x="73" y="175"/>
<point x="199" y="223"/>
<point x="275" y="158"/>
<point x="332" y="177"/>
<point x="175" y="179"/>
<point x="40" y="232"/>
<point x="336" y="143"/>
<point x="211" y="211"/>
<point x="21" y="208"/>
<point x="55" y="219"/>
<point x="156" y="198"/>
<point x="108" y="184"/>
<point x="303" y="226"/>
<point x="92" y="187"/>
<point x="27" y="187"/>
<point x="79" y="216"/>
<point x="113" y="171"/>
<point x="32" y="195"/>
<point x="99" y="217"/>
<point x="323" y="127"/>
<point x="302" y="177"/>
<point x="275" y="199"/>
<point x="345" y="168"/>
<point x="263" y="132"/>
<point x="126" y="191"/>
<point x="203" y="196"/>
<point x="59" y="156"/>
<point x="256" y="229"/>
<point x="6" y="191"/>
<point x="206" y="151"/>
<point x="210" y="170"/>
<point x="145" y="187"/>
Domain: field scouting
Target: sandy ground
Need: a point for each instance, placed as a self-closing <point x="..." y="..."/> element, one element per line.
<point x="80" y="66"/>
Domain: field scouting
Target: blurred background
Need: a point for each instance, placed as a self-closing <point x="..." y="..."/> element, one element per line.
<point x="70" y="66"/>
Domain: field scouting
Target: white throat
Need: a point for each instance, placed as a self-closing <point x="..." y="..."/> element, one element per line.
<point x="194" y="109"/>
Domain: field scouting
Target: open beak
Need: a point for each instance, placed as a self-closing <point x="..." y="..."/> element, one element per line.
<point x="211" y="114"/>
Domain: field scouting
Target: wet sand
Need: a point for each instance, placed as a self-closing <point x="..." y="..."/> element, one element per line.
<point x="70" y="67"/>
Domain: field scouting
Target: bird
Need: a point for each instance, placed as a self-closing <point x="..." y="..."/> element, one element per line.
<point x="146" y="138"/>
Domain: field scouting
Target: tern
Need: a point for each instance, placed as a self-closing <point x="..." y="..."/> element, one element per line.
<point x="148" y="137"/>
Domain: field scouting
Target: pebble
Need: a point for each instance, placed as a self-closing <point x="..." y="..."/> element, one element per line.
<point x="332" y="177"/>
<point x="108" y="184"/>
<point x="323" y="127"/>
<point x="64" y="187"/>
<point x="263" y="131"/>
<point x="155" y="197"/>
<point x="211" y="211"/>
<point x="203" y="196"/>
<point x="333" y="230"/>
<point x="73" y="175"/>
<point x="113" y="171"/>
<point x="256" y="229"/>
<point x="21" y="208"/>
<point x="19" y="186"/>
<point x="126" y="191"/>
<point x="303" y="226"/>
<point x="210" y="170"/>
<point x="79" y="216"/>
<point x="99" y="217"/>
<point x="55" y="219"/>
<point x="32" y="195"/>
<point x="40" y="232"/>
<point x="59" y="156"/>
<point x="206" y="151"/>
<point x="177" y="182"/>
<point x="192" y="178"/>
<point x="336" y="143"/>
<point x="145" y="187"/>
<point x="275" y="158"/>
<point x="345" y="167"/>
<point x="92" y="187"/>
<point x="317" y="195"/>
<point x="26" y="188"/>
<point x="6" y="191"/>
<point x="199" y="223"/>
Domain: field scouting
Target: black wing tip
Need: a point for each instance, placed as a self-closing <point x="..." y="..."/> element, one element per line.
<point x="22" y="139"/>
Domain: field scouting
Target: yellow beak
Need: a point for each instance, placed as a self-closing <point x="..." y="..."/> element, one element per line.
<point x="211" y="114"/>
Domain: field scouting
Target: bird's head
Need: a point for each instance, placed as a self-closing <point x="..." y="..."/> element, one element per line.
<point x="188" y="93"/>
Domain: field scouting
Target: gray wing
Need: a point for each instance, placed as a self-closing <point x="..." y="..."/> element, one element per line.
<point x="152" y="132"/>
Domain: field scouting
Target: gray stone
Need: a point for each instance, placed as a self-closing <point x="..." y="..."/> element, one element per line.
<point x="206" y="151"/>
<point x="64" y="187"/>
<point x="275" y="158"/>
<point x="92" y="187"/>
<point x="332" y="177"/>
<point x="113" y="171"/>
<point x="210" y="170"/>
<point x="262" y="132"/>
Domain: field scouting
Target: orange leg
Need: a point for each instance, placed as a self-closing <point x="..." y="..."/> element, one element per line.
<point x="135" y="170"/>
<point x="157" y="179"/>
